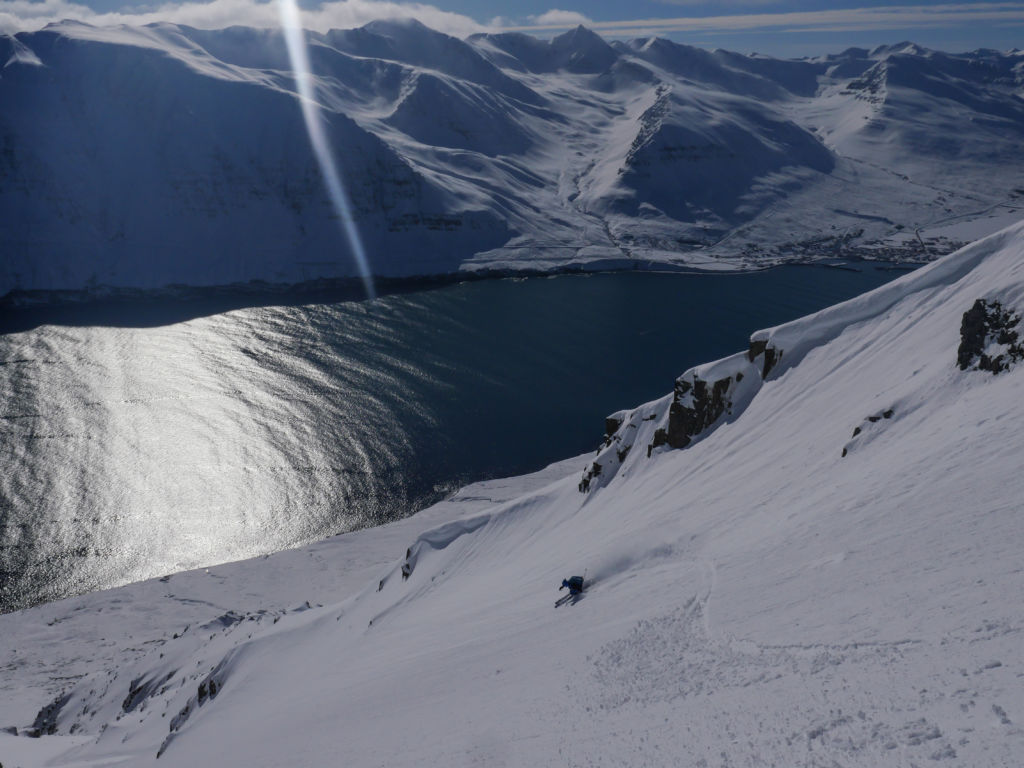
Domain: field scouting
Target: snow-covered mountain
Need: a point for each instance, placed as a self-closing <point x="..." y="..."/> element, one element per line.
<point x="141" y="157"/>
<point x="807" y="554"/>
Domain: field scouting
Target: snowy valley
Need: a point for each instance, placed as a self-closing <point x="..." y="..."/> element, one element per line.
<point x="808" y="554"/>
<point x="156" y="156"/>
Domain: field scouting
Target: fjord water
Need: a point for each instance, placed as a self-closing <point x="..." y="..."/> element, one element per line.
<point x="133" y="449"/>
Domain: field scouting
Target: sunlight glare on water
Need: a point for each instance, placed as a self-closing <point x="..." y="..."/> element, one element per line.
<point x="168" y="447"/>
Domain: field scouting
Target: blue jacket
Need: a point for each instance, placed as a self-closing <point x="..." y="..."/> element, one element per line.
<point x="574" y="583"/>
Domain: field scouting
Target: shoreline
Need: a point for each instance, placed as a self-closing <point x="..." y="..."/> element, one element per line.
<point x="22" y="311"/>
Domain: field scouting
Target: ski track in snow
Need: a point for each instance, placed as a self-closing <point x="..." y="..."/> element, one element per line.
<point x="668" y="686"/>
<point x="671" y="681"/>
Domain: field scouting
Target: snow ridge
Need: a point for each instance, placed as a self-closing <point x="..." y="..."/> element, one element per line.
<point x="710" y="395"/>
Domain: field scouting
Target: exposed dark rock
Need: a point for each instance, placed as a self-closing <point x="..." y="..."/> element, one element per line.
<point x="179" y="719"/>
<point x="986" y="327"/>
<point x="611" y="425"/>
<point x="686" y="421"/>
<point x="45" y="723"/>
<point x="207" y="690"/>
<point x="756" y="348"/>
<point x="771" y="356"/>
<point x="594" y="470"/>
<point x="874" y="418"/>
<point x="972" y="334"/>
<point x="660" y="439"/>
<point x="223" y="621"/>
<point x="140" y="689"/>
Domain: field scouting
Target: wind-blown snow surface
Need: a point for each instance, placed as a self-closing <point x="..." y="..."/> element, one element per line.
<point x="141" y="157"/>
<point x="828" y="575"/>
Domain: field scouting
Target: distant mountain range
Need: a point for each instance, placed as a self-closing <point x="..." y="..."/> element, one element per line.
<point x="143" y="157"/>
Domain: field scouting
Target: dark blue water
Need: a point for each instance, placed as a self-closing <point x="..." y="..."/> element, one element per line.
<point x="134" y="447"/>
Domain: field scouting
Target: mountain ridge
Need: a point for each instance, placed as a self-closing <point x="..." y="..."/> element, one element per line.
<point x="498" y="153"/>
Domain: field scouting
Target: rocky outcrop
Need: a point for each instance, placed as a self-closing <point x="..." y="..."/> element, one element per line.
<point x="762" y="348"/>
<point x="696" y="405"/>
<point x="866" y="429"/>
<point x="612" y="424"/>
<point x="45" y="723"/>
<point x="207" y="691"/>
<point x="142" y="688"/>
<point x="702" y="398"/>
<point x="989" y="338"/>
<point x="591" y="472"/>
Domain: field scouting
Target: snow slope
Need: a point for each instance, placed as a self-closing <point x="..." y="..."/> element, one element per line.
<point x="826" y="574"/>
<point x="143" y="157"/>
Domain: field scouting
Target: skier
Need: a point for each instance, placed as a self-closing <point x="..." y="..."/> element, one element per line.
<point x="574" y="584"/>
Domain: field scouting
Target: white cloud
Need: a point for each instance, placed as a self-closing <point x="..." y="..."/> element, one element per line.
<point x="561" y="18"/>
<point x="871" y="18"/>
<point x="27" y="15"/>
<point x="717" y="3"/>
<point x="20" y="15"/>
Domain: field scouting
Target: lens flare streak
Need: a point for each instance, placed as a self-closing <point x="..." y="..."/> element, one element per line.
<point x="291" y="24"/>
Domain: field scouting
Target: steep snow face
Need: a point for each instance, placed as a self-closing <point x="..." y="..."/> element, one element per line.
<point x="695" y="161"/>
<point x="140" y="157"/>
<point x="961" y="109"/>
<point x="829" y="567"/>
<point x="475" y="119"/>
<point x="707" y="68"/>
<point x="126" y="166"/>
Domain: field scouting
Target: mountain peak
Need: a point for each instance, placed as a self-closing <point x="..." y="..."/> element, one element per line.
<point x="579" y="35"/>
<point x="583" y="51"/>
<point x="906" y="47"/>
<point x="401" y="25"/>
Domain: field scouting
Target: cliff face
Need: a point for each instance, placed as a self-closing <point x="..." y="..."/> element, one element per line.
<point x="703" y="398"/>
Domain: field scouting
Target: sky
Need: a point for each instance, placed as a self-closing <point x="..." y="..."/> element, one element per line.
<point x="784" y="29"/>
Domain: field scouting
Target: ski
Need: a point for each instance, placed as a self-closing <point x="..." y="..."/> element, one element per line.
<point x="570" y="598"/>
